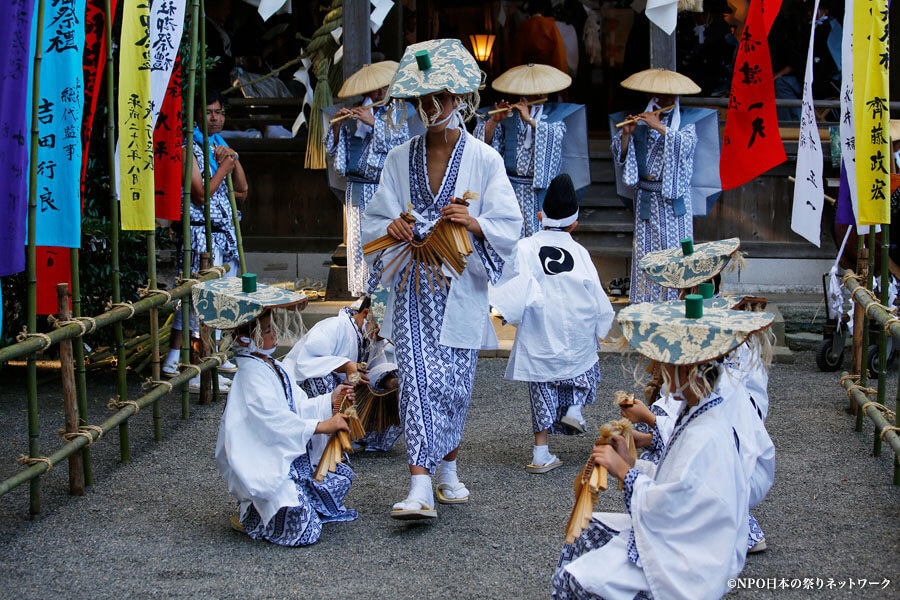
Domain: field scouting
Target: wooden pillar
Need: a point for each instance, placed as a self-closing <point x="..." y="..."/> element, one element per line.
<point x="70" y="397"/>
<point x="357" y="36"/>
<point x="662" y="49"/>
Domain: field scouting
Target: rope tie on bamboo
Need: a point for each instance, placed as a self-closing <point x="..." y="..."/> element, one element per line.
<point x="144" y="292"/>
<point x="118" y="405"/>
<point x="28" y="461"/>
<point x="851" y="275"/>
<point x="95" y="428"/>
<point x="887" y="428"/>
<point x="875" y="303"/>
<point x="188" y="367"/>
<point x="69" y="436"/>
<point x="127" y="305"/>
<point x="24" y="335"/>
<point x="220" y="270"/>
<point x="888" y="413"/>
<point x="219" y="357"/>
<point x="155" y="383"/>
<point x="56" y="323"/>
<point x="90" y="320"/>
<point x="850" y="378"/>
<point x="864" y="390"/>
<point x="889" y="322"/>
<point x="181" y="281"/>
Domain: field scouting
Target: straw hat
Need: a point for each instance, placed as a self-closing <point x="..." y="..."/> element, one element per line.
<point x="532" y="80"/>
<point x="223" y="303"/>
<point x="369" y="78"/>
<point x="661" y="331"/>
<point x="661" y="81"/>
<point x="434" y="66"/>
<point x="674" y="268"/>
<point x="895" y="130"/>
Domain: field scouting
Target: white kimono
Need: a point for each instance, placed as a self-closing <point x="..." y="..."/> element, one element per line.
<point x="558" y="304"/>
<point x="686" y="523"/>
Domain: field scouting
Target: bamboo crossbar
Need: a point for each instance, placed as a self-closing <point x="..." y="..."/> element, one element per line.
<point x="861" y="295"/>
<point x="878" y="419"/>
<point x="116" y="315"/>
<point x="111" y="423"/>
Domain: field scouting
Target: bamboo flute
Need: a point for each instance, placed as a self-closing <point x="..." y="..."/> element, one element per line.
<point x="80" y="372"/>
<point x="121" y="381"/>
<point x="509" y="108"/>
<point x="154" y="331"/>
<point x="186" y="203"/>
<point x="30" y="266"/>
<point x="374" y="104"/>
<point x="70" y="400"/>
<point x="655" y="112"/>
<point x="237" y="224"/>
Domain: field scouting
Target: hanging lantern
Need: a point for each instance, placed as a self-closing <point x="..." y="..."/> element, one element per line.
<point x="482" y="44"/>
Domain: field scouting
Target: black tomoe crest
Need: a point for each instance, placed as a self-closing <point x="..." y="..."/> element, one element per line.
<point x="555" y="260"/>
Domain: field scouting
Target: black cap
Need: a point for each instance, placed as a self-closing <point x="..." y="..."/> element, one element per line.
<point x="560" y="201"/>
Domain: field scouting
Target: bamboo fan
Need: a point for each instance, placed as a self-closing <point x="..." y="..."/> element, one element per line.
<point x="377" y="410"/>
<point x="447" y="244"/>
<point x="339" y="441"/>
<point x="587" y="485"/>
<point x="651" y="390"/>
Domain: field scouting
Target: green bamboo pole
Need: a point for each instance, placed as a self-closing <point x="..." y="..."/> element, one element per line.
<point x="882" y="337"/>
<point x="864" y="350"/>
<point x="154" y="331"/>
<point x="186" y="202"/>
<point x="237" y="224"/>
<point x="30" y="256"/>
<point x="80" y="372"/>
<point x="121" y="380"/>
<point x="877" y="418"/>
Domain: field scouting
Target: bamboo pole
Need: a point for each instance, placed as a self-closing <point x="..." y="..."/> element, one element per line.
<point x="882" y="337"/>
<point x="862" y="267"/>
<point x="33" y="426"/>
<point x="205" y="348"/>
<point x="121" y="379"/>
<point x="186" y="202"/>
<point x="32" y="472"/>
<point x="70" y="400"/>
<point x="237" y="224"/>
<point x="881" y="424"/>
<point x="154" y="331"/>
<point x="80" y="373"/>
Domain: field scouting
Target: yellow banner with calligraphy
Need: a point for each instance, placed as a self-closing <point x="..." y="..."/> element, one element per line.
<point x="135" y="149"/>
<point x="871" y="56"/>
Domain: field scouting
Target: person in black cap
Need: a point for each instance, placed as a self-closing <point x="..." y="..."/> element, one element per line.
<point x="557" y="302"/>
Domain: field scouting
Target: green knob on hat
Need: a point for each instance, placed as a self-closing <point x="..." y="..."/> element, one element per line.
<point x="687" y="246"/>
<point x="248" y="283"/>
<point x="706" y="290"/>
<point x="423" y="60"/>
<point x="693" y="306"/>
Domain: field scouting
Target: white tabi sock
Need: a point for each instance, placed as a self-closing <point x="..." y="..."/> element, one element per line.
<point x="574" y="411"/>
<point x="420" y="489"/>
<point x="448" y="481"/>
<point x="540" y="455"/>
<point x="172" y="356"/>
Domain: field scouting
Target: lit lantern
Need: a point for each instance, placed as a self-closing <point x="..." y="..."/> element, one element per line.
<point x="482" y="44"/>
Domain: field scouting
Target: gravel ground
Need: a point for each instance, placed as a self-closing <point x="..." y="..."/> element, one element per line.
<point x="159" y="526"/>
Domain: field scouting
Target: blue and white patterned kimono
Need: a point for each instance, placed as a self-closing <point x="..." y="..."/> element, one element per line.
<point x="437" y="333"/>
<point x="661" y="167"/>
<point x="266" y="451"/>
<point x="360" y="159"/>
<point x="537" y="157"/>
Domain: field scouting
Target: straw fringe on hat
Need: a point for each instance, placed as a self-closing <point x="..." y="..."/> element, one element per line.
<point x="369" y="78"/>
<point x="532" y="80"/>
<point x="661" y="81"/>
<point x="690" y="6"/>
<point x="895" y="130"/>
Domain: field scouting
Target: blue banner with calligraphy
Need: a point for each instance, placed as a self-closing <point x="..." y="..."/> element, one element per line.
<point x="15" y="31"/>
<point x="59" y="125"/>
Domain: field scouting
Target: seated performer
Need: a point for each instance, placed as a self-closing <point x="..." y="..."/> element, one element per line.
<point x="359" y="145"/>
<point x="528" y="134"/>
<point x="684" y="533"/>
<point x="656" y="155"/>
<point x="557" y="302"/>
<point x="331" y="352"/>
<point x="438" y="327"/>
<point x="272" y="434"/>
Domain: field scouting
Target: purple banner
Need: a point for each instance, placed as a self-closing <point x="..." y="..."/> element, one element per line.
<point x="15" y="29"/>
<point x="844" y="213"/>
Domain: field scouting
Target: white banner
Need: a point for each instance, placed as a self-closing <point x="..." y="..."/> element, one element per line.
<point x="848" y="122"/>
<point x="806" y="217"/>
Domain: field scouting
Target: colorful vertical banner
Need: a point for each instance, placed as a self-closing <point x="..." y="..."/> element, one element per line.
<point x="168" y="155"/>
<point x="871" y="58"/>
<point x="59" y="125"/>
<point x="54" y="266"/>
<point x="93" y="65"/>
<point x="135" y="149"/>
<point x="15" y="31"/>
<point x="848" y="122"/>
<point x="752" y="144"/>
<point x="809" y="195"/>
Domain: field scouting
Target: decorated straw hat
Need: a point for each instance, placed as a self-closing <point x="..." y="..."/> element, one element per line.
<point x="369" y="78"/>
<point x="532" y="80"/>
<point x="689" y="265"/>
<point x="661" y="81"/>
<point x="435" y="66"/>
<point x="895" y="130"/>
<point x="224" y="303"/>
<point x="661" y="331"/>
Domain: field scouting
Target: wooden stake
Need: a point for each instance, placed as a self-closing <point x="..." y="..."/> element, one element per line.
<point x="70" y="397"/>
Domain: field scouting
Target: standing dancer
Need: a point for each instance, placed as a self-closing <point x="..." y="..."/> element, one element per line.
<point x="438" y="330"/>
<point x="359" y="154"/>
<point x="656" y="154"/>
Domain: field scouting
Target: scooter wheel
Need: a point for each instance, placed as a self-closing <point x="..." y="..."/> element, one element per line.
<point x="825" y="357"/>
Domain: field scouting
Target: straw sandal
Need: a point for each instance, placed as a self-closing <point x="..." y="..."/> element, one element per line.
<point x="574" y="424"/>
<point x="538" y="469"/>
<point x="758" y="547"/>
<point x="404" y="511"/>
<point x="443" y="499"/>
<point x="237" y="525"/>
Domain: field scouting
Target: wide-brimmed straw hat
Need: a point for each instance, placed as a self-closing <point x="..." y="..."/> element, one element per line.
<point x="223" y="303"/>
<point x="435" y="66"/>
<point x="689" y="265"/>
<point x="661" y="81"/>
<point x="661" y="331"/>
<point x="369" y="78"/>
<point x="532" y="80"/>
<point x="895" y="130"/>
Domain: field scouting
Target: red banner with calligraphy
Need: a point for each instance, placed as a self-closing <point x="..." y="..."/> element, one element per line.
<point x="53" y="266"/>
<point x="167" y="152"/>
<point x="752" y="144"/>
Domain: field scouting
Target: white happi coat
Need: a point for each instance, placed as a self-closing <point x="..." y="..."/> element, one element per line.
<point x="327" y="346"/>
<point x="558" y="304"/>
<point x="259" y="437"/>
<point x="688" y="515"/>
<point x="466" y="322"/>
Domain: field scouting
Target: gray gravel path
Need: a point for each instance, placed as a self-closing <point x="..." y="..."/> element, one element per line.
<point x="158" y="527"/>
